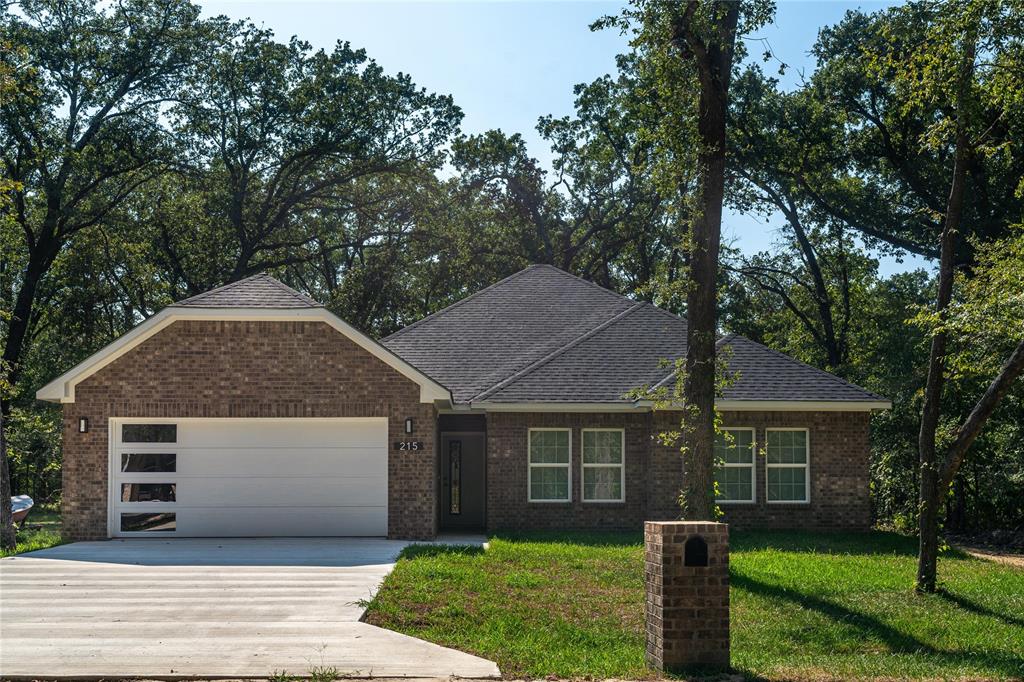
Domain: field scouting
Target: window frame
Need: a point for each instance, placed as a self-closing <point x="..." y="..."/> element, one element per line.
<point x="752" y="466"/>
<point x="544" y="465"/>
<point x="806" y="466"/>
<point x="621" y="466"/>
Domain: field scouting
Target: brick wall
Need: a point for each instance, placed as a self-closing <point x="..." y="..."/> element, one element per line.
<point x="686" y="606"/>
<point x="248" y="369"/>
<point x="840" y="476"/>
<point x="507" y="505"/>
<point x="839" y="452"/>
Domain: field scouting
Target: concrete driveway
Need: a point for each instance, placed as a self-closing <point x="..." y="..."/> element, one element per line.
<point x="208" y="608"/>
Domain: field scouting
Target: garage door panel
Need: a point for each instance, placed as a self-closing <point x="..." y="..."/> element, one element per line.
<point x="282" y="433"/>
<point x="238" y="478"/>
<point x="282" y="521"/>
<point x="310" y="491"/>
<point x="251" y="461"/>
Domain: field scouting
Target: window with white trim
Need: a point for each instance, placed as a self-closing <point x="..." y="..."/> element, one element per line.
<point x="734" y="465"/>
<point x="604" y="465"/>
<point x="787" y="465"/>
<point x="550" y="454"/>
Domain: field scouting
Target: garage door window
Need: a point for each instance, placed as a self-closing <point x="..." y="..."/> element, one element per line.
<point x="148" y="462"/>
<point x="147" y="492"/>
<point x="148" y="521"/>
<point x="146" y="487"/>
<point x="149" y="433"/>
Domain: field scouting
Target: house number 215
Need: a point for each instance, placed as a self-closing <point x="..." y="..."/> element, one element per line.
<point x="409" y="445"/>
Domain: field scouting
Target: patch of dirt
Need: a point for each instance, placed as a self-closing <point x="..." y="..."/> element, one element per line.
<point x="1003" y="545"/>
<point x="1001" y="556"/>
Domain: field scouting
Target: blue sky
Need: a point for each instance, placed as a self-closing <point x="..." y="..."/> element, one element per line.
<point x="508" y="63"/>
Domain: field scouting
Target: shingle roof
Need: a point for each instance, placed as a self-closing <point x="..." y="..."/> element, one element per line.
<point x="258" y="291"/>
<point x="545" y="336"/>
<point x="472" y="345"/>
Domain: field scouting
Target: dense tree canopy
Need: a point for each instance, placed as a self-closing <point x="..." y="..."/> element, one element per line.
<point x="148" y="154"/>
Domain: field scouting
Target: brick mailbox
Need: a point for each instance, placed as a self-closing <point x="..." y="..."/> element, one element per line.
<point x="686" y="570"/>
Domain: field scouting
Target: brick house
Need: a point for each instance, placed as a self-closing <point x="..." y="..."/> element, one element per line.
<point x="252" y="410"/>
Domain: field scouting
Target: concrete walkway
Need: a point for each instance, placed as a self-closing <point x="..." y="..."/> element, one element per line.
<point x="208" y="608"/>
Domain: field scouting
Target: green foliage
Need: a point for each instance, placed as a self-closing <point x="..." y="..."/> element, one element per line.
<point x="40" y="531"/>
<point x="148" y="154"/>
<point x="987" y="317"/>
<point x="33" y="452"/>
<point x="884" y="80"/>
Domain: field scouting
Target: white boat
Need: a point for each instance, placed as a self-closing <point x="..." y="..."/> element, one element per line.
<point x="20" y="507"/>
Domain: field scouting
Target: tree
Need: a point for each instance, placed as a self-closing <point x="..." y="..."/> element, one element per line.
<point x="777" y="139"/>
<point x="685" y="54"/>
<point x="8" y="68"/>
<point x="893" y="145"/>
<point x="82" y="130"/>
<point x="709" y="42"/>
<point x="923" y="71"/>
<point x="288" y="146"/>
<point x="992" y="304"/>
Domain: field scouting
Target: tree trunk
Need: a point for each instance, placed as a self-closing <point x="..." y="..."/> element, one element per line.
<point x="714" y="65"/>
<point x="930" y="493"/>
<point x="1011" y="370"/>
<point x="39" y="262"/>
<point x="17" y="329"/>
<point x="7" y="533"/>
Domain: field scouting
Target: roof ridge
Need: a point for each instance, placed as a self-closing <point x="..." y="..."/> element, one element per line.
<point x="198" y="299"/>
<point x="289" y="290"/>
<point x="458" y="303"/>
<point x="230" y="285"/>
<point x="830" y="375"/>
<point x="515" y="376"/>
<point x="595" y="285"/>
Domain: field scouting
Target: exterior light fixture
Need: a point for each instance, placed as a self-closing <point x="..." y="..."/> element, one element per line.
<point x="83" y="425"/>
<point x="408" y="424"/>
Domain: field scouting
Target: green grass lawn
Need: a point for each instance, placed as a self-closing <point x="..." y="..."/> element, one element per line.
<point x="804" y="606"/>
<point x="41" y="530"/>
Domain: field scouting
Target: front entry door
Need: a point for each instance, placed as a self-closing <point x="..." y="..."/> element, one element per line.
<point x="462" y="481"/>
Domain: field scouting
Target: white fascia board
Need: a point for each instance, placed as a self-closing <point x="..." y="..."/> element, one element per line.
<point x="62" y="389"/>
<point x="561" y="407"/>
<point x="724" y="405"/>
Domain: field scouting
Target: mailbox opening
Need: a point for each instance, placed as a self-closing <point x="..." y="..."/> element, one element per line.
<point x="695" y="552"/>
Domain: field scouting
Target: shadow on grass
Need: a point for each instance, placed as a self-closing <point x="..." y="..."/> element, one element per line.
<point x="584" y="538"/>
<point x="874" y="542"/>
<point x="979" y="610"/>
<point x="428" y="551"/>
<point x="896" y="641"/>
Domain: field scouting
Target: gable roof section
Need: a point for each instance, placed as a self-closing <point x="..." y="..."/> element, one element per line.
<point x="766" y="374"/>
<point x="260" y="297"/>
<point x="545" y="337"/>
<point x="258" y="291"/>
<point x="482" y="340"/>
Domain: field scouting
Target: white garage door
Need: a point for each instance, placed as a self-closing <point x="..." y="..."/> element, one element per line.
<point x="248" y="477"/>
